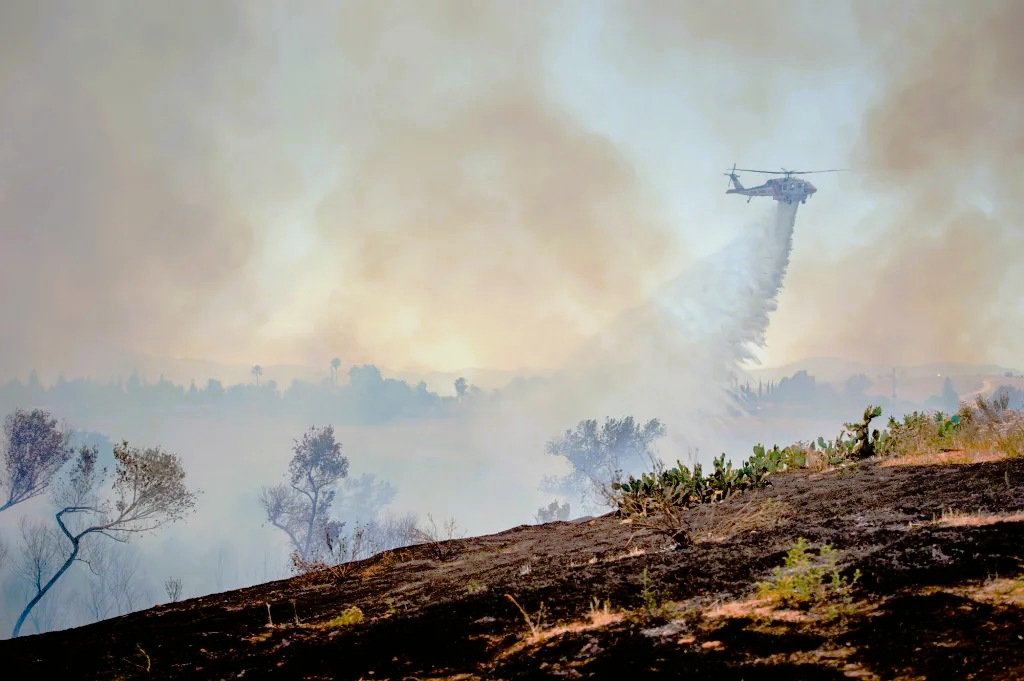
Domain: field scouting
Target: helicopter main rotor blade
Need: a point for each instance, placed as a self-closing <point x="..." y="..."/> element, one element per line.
<point x="789" y="172"/>
<point x="805" y="172"/>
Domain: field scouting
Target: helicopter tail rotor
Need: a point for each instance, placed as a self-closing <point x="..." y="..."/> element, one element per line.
<point x="731" y="175"/>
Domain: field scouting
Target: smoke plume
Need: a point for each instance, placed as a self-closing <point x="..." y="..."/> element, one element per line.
<point x="943" y="142"/>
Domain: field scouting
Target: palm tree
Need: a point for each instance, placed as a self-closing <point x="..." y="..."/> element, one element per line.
<point x="461" y="385"/>
<point x="257" y="371"/>
<point x="335" y="365"/>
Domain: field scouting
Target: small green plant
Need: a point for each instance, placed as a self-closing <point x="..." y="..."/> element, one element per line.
<point x="805" y="578"/>
<point x="349" y="616"/>
<point x="654" y="600"/>
<point x="948" y="425"/>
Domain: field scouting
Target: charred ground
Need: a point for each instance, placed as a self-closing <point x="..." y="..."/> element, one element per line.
<point x="939" y="547"/>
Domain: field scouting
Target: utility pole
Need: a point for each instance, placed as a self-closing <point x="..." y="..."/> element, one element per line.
<point x="894" y="391"/>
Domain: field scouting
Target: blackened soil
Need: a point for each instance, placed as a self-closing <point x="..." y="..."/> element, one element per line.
<point x="919" y="610"/>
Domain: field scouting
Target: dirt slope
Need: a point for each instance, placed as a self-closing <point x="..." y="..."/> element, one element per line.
<point x="940" y="549"/>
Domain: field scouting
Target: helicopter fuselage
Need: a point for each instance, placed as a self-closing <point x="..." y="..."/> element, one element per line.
<point x="783" y="189"/>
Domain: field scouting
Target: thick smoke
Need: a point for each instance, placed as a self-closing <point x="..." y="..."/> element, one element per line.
<point x="944" y="142"/>
<point x="478" y="217"/>
<point x="400" y="183"/>
<point x="457" y="213"/>
<point x="119" y="226"/>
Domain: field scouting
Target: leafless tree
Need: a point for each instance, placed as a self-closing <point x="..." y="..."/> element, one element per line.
<point x="441" y="543"/>
<point x="147" y="491"/>
<point x="223" y="559"/>
<point x="98" y="600"/>
<point x="172" y="587"/>
<point x="125" y="581"/>
<point x="301" y="507"/>
<point x="38" y="557"/>
<point x="34" y="448"/>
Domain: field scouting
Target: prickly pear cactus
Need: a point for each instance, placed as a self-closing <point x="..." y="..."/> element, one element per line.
<point x="864" y="441"/>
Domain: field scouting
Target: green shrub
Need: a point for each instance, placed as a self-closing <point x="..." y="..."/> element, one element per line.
<point x="805" y="578"/>
<point x="351" y="615"/>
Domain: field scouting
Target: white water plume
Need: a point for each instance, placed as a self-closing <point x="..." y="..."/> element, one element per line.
<point x="676" y="357"/>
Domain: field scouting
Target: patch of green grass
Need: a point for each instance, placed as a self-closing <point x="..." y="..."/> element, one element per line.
<point x="351" y="615"/>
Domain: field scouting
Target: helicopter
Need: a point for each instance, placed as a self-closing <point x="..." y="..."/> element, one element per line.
<point x="787" y="188"/>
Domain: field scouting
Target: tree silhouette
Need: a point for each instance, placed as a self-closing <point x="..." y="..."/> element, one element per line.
<point x="257" y="371"/>
<point x="33" y="448"/>
<point x="148" y="490"/>
<point x="598" y="455"/>
<point x="301" y="507"/>
<point x="461" y="386"/>
<point x="335" y="365"/>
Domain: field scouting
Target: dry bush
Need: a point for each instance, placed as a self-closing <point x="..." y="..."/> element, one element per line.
<point x="443" y="544"/>
<point x="713" y="523"/>
<point x="980" y="517"/>
<point x="984" y="430"/>
<point x="989" y="423"/>
<point x="317" y="570"/>
<point x="659" y="516"/>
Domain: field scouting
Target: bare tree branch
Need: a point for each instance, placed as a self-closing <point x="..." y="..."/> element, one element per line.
<point x="147" y="491"/>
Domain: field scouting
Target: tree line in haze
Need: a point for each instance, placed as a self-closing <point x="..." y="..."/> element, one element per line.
<point x="370" y="399"/>
<point x="366" y="399"/>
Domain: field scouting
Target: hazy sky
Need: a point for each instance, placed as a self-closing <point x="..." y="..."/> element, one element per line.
<point x="454" y="184"/>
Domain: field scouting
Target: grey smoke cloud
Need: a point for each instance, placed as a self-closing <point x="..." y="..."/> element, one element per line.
<point x="471" y="217"/>
<point x="943" y="139"/>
